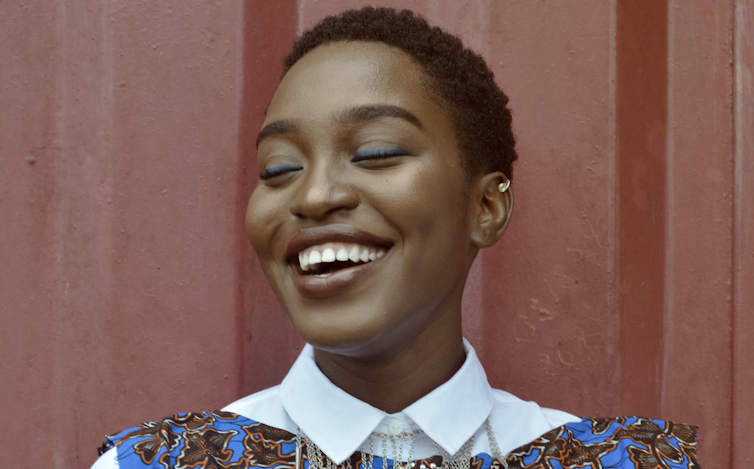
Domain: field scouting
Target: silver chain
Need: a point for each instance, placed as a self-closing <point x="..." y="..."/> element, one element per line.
<point x="396" y="442"/>
<point x="369" y="464"/>
<point x="460" y="460"/>
<point x="496" y="453"/>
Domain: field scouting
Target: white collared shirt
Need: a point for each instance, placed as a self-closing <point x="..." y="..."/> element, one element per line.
<point x="340" y="424"/>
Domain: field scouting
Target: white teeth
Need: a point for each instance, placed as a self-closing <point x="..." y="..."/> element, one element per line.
<point x="342" y="255"/>
<point x="353" y="256"/>
<point x="315" y="257"/>
<point x="328" y="255"/>
<point x="311" y="258"/>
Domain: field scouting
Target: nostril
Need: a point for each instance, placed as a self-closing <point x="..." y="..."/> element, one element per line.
<point x="319" y="202"/>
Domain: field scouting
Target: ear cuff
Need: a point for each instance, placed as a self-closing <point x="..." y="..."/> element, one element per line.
<point x="503" y="186"/>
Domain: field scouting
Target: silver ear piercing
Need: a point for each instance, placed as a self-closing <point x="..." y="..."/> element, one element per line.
<point x="503" y="186"/>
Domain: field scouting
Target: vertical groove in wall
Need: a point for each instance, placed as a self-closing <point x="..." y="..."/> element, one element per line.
<point x="742" y="336"/>
<point x="735" y="116"/>
<point x="612" y="224"/>
<point x="58" y="158"/>
<point x="269" y="31"/>
<point x="243" y="189"/>
<point x="105" y="369"/>
<point x="641" y="105"/>
<point x="668" y="310"/>
<point x="248" y="122"/>
<point x="300" y="8"/>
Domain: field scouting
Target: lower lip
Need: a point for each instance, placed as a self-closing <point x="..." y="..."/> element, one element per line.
<point x="311" y="286"/>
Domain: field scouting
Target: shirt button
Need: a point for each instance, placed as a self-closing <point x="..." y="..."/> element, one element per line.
<point x="395" y="427"/>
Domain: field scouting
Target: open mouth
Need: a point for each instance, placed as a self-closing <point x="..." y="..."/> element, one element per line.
<point x="330" y="259"/>
<point x="323" y="260"/>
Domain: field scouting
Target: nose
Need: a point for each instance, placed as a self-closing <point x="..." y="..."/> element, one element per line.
<point x="322" y="192"/>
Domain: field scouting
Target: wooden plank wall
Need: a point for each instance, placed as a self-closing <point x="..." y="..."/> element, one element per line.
<point x="128" y="291"/>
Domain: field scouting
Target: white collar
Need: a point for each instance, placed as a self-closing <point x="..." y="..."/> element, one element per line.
<point x="339" y="423"/>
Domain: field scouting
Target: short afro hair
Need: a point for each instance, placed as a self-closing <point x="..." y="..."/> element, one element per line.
<point x="458" y="76"/>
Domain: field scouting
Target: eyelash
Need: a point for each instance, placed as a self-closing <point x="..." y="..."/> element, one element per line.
<point x="359" y="157"/>
<point x="377" y="155"/>
<point x="279" y="171"/>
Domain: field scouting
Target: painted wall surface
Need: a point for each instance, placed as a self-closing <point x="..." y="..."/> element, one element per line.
<point x="128" y="291"/>
<point x="118" y="201"/>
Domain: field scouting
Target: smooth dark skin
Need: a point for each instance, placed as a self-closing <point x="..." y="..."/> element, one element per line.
<point x="396" y="336"/>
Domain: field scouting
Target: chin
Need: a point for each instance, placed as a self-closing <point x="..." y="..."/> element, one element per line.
<point x="356" y="332"/>
<point x="362" y="341"/>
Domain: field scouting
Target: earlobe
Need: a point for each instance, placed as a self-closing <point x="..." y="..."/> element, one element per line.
<point x="492" y="198"/>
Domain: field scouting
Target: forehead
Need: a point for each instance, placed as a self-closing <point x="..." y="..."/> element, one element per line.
<point x="340" y="75"/>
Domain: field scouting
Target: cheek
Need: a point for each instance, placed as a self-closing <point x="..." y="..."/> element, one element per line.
<point x="261" y="222"/>
<point x="428" y="207"/>
<point x="435" y="198"/>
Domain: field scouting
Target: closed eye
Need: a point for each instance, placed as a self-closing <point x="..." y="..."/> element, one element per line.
<point x="377" y="155"/>
<point x="275" y="171"/>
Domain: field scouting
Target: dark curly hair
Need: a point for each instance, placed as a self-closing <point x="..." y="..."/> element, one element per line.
<point x="457" y="76"/>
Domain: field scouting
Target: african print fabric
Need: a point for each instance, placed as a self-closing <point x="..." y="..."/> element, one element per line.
<point x="223" y="440"/>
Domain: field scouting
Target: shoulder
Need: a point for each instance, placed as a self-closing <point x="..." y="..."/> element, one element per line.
<point x="623" y="442"/>
<point x="264" y="407"/>
<point x="265" y="398"/>
<point x="198" y="440"/>
<point x="517" y="422"/>
<point x="554" y="418"/>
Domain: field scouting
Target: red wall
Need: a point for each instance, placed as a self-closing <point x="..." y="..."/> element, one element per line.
<point x="625" y="284"/>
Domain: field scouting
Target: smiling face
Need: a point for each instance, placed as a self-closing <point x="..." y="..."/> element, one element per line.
<point x="361" y="221"/>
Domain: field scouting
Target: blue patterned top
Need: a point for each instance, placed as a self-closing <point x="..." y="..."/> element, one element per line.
<point x="224" y="440"/>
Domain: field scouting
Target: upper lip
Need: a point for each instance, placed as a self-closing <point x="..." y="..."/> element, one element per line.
<point x="335" y="233"/>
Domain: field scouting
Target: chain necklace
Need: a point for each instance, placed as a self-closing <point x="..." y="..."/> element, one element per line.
<point x="461" y="460"/>
<point x="496" y="453"/>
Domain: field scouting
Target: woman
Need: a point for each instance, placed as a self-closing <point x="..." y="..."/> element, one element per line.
<point x="385" y="165"/>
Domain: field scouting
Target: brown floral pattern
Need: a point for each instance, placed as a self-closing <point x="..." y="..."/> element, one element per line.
<point x="625" y="442"/>
<point x="222" y="440"/>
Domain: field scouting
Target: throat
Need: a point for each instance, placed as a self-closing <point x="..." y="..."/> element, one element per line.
<point x="397" y="382"/>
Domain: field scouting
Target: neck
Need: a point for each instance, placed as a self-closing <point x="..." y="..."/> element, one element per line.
<point x="394" y="383"/>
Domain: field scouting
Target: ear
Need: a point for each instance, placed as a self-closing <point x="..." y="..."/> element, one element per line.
<point x="491" y="209"/>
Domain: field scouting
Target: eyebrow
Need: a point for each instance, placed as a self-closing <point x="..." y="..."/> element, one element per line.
<point x="276" y="128"/>
<point x="370" y="112"/>
<point x="352" y="115"/>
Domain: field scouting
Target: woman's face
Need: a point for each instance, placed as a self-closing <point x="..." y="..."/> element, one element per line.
<point x="360" y="221"/>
